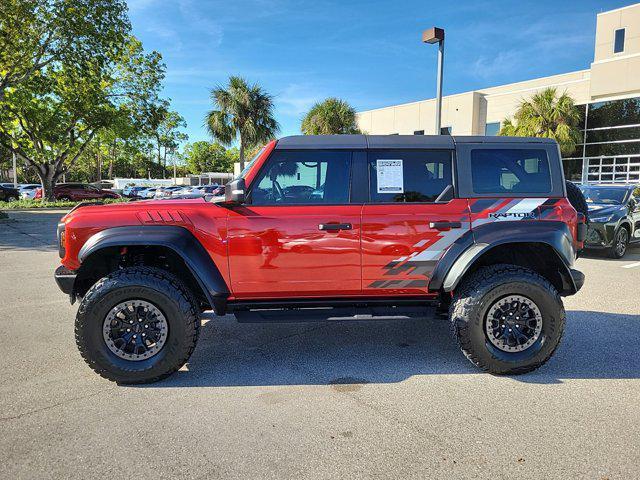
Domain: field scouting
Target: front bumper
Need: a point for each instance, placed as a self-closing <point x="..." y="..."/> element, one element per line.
<point x="600" y="235"/>
<point x="65" y="279"/>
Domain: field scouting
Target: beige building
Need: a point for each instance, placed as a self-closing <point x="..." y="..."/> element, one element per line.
<point x="608" y="91"/>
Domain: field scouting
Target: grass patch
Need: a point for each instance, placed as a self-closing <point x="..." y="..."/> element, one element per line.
<point x="22" y="204"/>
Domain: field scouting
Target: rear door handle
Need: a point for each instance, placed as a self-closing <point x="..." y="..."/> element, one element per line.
<point x="445" y="225"/>
<point x="334" y="226"/>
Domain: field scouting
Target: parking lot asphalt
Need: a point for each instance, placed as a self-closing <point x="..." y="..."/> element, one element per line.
<point x="378" y="399"/>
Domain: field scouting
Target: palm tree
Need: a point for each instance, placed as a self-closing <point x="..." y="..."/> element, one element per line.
<point x="244" y="112"/>
<point x="547" y="115"/>
<point x="331" y="116"/>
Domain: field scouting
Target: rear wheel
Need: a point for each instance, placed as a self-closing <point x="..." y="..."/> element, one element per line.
<point x="137" y="325"/>
<point x="507" y="319"/>
<point x="620" y="242"/>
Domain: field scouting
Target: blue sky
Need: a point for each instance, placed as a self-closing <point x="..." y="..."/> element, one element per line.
<point x="366" y="52"/>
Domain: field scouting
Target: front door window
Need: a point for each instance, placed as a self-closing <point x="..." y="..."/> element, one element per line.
<point x="303" y="177"/>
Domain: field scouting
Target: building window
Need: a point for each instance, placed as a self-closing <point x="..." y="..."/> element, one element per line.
<point x="418" y="132"/>
<point x="445" y="131"/>
<point x="618" y="42"/>
<point x="492" y="129"/>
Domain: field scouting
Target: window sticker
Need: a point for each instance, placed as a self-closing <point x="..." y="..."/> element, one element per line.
<point x="390" y="176"/>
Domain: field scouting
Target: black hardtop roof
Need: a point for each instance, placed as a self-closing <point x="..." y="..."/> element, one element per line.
<point x="295" y="142"/>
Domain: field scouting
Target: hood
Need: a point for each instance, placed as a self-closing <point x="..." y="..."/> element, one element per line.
<point x="138" y="206"/>
<point x="601" y="209"/>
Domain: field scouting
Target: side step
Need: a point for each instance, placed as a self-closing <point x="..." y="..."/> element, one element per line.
<point x="339" y="313"/>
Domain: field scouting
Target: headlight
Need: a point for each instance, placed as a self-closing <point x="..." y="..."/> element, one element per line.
<point x="605" y="219"/>
<point x="61" y="239"/>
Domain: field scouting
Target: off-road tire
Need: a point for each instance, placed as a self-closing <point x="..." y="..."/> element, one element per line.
<point x="166" y="292"/>
<point x="621" y="235"/>
<point x="577" y="200"/>
<point x="472" y="300"/>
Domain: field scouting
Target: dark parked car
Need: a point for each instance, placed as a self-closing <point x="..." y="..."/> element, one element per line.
<point x="78" y="192"/>
<point x="8" y="194"/>
<point x="614" y="217"/>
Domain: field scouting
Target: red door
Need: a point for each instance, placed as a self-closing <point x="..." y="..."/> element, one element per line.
<point x="298" y="235"/>
<point x="401" y="244"/>
<point x="294" y="251"/>
<point x="410" y="221"/>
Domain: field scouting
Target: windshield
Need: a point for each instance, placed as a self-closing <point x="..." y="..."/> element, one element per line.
<point x="248" y="166"/>
<point x="607" y="195"/>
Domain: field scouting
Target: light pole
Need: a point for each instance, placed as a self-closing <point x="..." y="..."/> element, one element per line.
<point x="436" y="35"/>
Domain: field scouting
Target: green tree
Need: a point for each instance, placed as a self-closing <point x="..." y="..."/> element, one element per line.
<point x="51" y="118"/>
<point x="35" y="34"/>
<point x="330" y="117"/>
<point x="205" y="156"/>
<point x="241" y="111"/>
<point x="547" y="115"/>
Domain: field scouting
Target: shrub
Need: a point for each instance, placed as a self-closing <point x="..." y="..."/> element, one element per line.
<point x="23" y="203"/>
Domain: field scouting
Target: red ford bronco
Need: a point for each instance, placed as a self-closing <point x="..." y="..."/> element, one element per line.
<point x="335" y="227"/>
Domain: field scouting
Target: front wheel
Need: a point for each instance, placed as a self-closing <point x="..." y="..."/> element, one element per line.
<point x="137" y="325"/>
<point x="620" y="241"/>
<point x="507" y="319"/>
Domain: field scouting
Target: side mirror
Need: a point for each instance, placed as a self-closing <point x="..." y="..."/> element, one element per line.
<point x="235" y="192"/>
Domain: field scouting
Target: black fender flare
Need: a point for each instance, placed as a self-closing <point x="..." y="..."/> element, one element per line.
<point x="175" y="238"/>
<point x="470" y="247"/>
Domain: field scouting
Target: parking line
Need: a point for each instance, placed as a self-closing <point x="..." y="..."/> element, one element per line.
<point x="631" y="265"/>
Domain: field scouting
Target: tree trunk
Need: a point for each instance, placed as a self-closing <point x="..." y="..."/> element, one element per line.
<point x="46" y="174"/>
<point x="111" y="158"/>
<point x="99" y="164"/>
<point x="241" y="155"/>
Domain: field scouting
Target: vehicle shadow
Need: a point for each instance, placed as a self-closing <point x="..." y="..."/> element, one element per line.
<point x="633" y="254"/>
<point x="596" y="345"/>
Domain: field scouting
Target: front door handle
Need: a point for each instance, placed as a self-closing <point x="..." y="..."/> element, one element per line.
<point x="334" y="226"/>
<point x="445" y="225"/>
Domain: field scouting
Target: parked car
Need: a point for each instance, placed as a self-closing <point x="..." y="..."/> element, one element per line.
<point x="216" y="190"/>
<point x="495" y="249"/>
<point x="165" y="192"/>
<point x="28" y="191"/>
<point x="149" y="192"/>
<point x="8" y="194"/>
<point x="78" y="192"/>
<point x="104" y="184"/>
<point x="614" y="217"/>
<point x="132" y="191"/>
<point x="188" y="192"/>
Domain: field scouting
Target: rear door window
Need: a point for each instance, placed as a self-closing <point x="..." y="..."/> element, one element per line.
<point x="499" y="171"/>
<point x="408" y="176"/>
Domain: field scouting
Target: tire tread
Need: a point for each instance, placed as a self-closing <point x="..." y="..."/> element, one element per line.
<point x="164" y="282"/>
<point x="467" y="297"/>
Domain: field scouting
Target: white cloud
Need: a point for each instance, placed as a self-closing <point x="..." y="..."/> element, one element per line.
<point x="504" y="63"/>
<point x="296" y="99"/>
<point x="198" y="22"/>
<point x="138" y="5"/>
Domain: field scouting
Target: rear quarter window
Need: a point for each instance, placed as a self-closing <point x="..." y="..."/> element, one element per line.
<point x="510" y="171"/>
